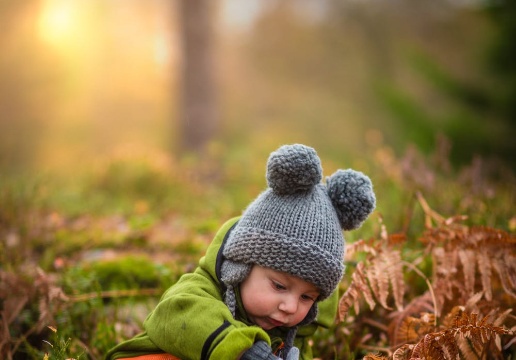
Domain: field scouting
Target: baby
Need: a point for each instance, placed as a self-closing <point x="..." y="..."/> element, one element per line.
<point x="268" y="279"/>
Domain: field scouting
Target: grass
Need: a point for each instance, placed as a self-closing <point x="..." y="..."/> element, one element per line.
<point x="79" y="257"/>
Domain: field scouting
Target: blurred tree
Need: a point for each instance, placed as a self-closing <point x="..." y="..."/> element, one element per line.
<point x="413" y="70"/>
<point x="198" y="112"/>
<point x="479" y="110"/>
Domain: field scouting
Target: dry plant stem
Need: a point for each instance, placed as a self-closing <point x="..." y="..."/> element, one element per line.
<point x="376" y="324"/>
<point x="374" y="348"/>
<point x="420" y="273"/>
<point x="428" y="211"/>
<point x="115" y="294"/>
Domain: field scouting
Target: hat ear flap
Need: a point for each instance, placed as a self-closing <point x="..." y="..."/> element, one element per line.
<point x="352" y="196"/>
<point x="233" y="273"/>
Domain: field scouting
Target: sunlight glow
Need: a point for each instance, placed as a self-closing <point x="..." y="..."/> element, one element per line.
<point x="57" y="22"/>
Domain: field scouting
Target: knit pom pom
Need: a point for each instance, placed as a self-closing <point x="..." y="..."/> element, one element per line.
<point x="351" y="193"/>
<point x="293" y="168"/>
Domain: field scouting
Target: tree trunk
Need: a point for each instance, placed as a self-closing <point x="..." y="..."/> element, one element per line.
<point x="198" y="116"/>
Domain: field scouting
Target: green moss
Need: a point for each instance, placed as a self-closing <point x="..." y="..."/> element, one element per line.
<point x="130" y="272"/>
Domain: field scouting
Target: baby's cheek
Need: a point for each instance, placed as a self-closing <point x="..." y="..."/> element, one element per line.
<point x="301" y="314"/>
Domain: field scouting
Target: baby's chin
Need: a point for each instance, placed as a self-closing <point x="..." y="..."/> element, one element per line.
<point x="267" y="323"/>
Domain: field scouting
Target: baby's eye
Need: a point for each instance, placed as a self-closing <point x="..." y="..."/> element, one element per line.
<point x="278" y="286"/>
<point x="308" y="298"/>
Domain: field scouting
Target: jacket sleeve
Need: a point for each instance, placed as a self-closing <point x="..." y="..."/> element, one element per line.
<point x="192" y="322"/>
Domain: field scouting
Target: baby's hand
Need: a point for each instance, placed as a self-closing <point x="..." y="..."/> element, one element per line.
<point x="293" y="354"/>
<point x="261" y="351"/>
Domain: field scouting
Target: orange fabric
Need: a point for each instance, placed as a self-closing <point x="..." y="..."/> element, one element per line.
<point x="282" y="345"/>
<point x="153" y="357"/>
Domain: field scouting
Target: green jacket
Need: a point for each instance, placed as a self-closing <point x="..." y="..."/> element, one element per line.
<point x="191" y="321"/>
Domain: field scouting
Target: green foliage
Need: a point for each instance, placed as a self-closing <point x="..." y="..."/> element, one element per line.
<point x="61" y="348"/>
<point x="108" y="262"/>
<point x="501" y="52"/>
<point x="413" y="122"/>
<point x="129" y="272"/>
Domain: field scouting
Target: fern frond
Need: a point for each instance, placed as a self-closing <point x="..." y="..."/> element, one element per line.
<point x="395" y="273"/>
<point x="378" y="278"/>
<point x="396" y="239"/>
<point x="500" y="319"/>
<point x="470" y="337"/>
<point x="467" y="336"/>
<point x="487" y="236"/>
<point x="484" y="267"/>
<point x="357" y="288"/>
<point x="404" y="352"/>
<point x="468" y="260"/>
<point x="465" y="349"/>
<point x="506" y="272"/>
<point x="361" y="245"/>
<point x="419" y="305"/>
<point x="412" y="329"/>
<point x="445" y="270"/>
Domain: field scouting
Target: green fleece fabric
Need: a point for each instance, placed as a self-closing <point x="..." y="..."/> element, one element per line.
<point x="191" y="316"/>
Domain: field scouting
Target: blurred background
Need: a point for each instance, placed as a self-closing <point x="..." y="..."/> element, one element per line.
<point x="204" y="90"/>
<point x="130" y="130"/>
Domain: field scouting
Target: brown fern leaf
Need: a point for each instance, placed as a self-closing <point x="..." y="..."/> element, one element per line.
<point x="504" y="265"/>
<point x="479" y="249"/>
<point x="448" y="344"/>
<point x="395" y="273"/>
<point x="468" y="260"/>
<point x="445" y="271"/>
<point x="499" y="319"/>
<point x="471" y="306"/>
<point x="357" y="288"/>
<point x="429" y="348"/>
<point x="484" y="236"/>
<point x="412" y="329"/>
<point x="361" y="245"/>
<point x="469" y="337"/>
<point x="465" y="349"/>
<point x="403" y="353"/>
<point x="485" y="269"/>
<point x="396" y="239"/>
<point x="474" y="336"/>
<point x="419" y="305"/>
<point x="385" y="269"/>
<point x="378" y="278"/>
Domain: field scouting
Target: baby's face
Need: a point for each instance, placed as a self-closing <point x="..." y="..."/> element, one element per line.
<point x="273" y="298"/>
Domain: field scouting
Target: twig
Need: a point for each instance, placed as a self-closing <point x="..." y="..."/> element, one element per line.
<point x="420" y="273"/>
<point x="428" y="211"/>
<point x="376" y="324"/>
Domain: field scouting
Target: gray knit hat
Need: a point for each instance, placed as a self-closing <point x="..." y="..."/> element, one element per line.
<point x="295" y="226"/>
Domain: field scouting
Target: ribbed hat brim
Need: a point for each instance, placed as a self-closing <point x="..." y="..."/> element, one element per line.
<point x="294" y="256"/>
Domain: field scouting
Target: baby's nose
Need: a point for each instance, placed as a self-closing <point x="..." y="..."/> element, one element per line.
<point x="289" y="304"/>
